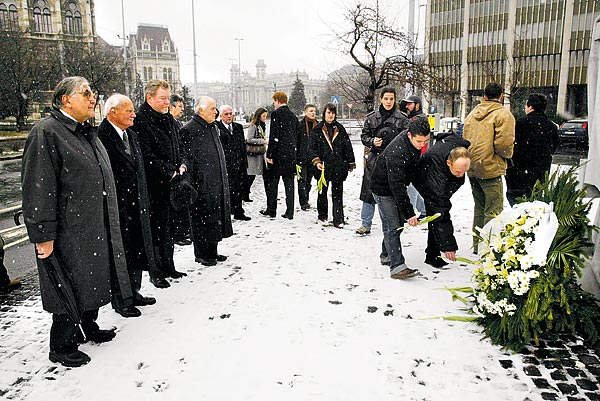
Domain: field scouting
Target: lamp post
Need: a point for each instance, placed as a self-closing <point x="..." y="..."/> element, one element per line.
<point x="194" y="53"/>
<point x="239" y="40"/>
<point x="125" y="50"/>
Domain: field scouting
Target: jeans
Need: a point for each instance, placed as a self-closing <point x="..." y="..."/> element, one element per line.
<point x="488" y="195"/>
<point x="304" y="182"/>
<point x="390" y="222"/>
<point x="416" y="199"/>
<point x="366" y="214"/>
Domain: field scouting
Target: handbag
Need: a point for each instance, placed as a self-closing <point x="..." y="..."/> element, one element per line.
<point x="255" y="150"/>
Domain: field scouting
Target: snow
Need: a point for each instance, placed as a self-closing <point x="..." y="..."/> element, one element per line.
<point x="289" y="317"/>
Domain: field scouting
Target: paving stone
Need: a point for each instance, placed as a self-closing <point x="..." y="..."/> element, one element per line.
<point x="543" y="353"/>
<point x="531" y="370"/>
<point x="592" y="396"/>
<point x="506" y="363"/>
<point x="542" y="384"/>
<point x="579" y="349"/>
<point x="575" y="399"/>
<point x="575" y="372"/>
<point x="586" y="384"/>
<point x="558" y="375"/>
<point x="595" y="370"/>
<point x="549" y="396"/>
<point x="552" y="364"/>
<point x="567" y="388"/>
<point x="531" y="360"/>
<point x="588" y="359"/>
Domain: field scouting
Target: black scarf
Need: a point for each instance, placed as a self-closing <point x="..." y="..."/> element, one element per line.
<point x="385" y="114"/>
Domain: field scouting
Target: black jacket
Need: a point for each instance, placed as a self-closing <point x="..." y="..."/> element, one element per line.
<point x="437" y="184"/>
<point x="234" y="148"/>
<point x="395" y="169"/>
<point x="305" y="127"/>
<point x="283" y="141"/>
<point x="211" y="213"/>
<point x="334" y="149"/>
<point x="536" y="138"/>
<point x="132" y="193"/>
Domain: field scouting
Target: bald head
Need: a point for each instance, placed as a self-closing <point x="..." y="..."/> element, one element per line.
<point x="206" y="107"/>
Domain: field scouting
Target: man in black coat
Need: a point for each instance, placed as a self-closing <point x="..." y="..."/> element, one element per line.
<point x="211" y="212"/>
<point x="234" y="147"/>
<point x="157" y="133"/>
<point x="307" y="172"/>
<point x="281" y="156"/>
<point x="536" y="139"/>
<point x="440" y="173"/>
<point x="127" y="165"/>
<point x="394" y="170"/>
<point x="380" y="128"/>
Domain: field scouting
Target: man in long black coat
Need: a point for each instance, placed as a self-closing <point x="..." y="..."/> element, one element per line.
<point x="234" y="147"/>
<point x="70" y="210"/>
<point x="127" y="164"/>
<point x="281" y="156"/>
<point x="440" y="173"/>
<point x="536" y="139"/>
<point x="157" y="133"/>
<point x="211" y="213"/>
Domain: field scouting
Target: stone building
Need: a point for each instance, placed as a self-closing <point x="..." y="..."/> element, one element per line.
<point x="527" y="45"/>
<point x="153" y="55"/>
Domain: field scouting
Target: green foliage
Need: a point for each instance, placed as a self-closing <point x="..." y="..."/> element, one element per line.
<point x="297" y="98"/>
<point x="188" y="104"/>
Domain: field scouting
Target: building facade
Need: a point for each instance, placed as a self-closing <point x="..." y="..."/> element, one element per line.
<point x="526" y="45"/>
<point x="153" y="55"/>
<point x="246" y="93"/>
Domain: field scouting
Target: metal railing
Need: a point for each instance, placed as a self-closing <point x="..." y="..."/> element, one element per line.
<point x="13" y="236"/>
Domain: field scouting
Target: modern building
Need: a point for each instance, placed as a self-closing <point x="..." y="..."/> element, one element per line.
<point x="153" y="55"/>
<point x="526" y="45"/>
<point x="249" y="92"/>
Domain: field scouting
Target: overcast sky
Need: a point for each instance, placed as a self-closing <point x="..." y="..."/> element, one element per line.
<point x="287" y="34"/>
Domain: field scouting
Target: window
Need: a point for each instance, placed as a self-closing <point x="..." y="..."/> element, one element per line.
<point x="149" y="72"/>
<point x="145" y="73"/>
<point x="37" y="19"/>
<point x="145" y="44"/>
<point x="164" y="74"/>
<point x="170" y="75"/>
<point x="4" y="22"/>
<point x="165" y="46"/>
<point x="77" y="25"/>
<point x="69" y="22"/>
<point x="46" y="21"/>
<point x="13" y="16"/>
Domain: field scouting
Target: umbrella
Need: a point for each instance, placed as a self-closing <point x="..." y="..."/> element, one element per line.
<point x="64" y="288"/>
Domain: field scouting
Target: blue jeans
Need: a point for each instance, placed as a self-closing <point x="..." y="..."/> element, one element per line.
<point x="416" y="199"/>
<point x="390" y="222"/>
<point x="366" y="214"/>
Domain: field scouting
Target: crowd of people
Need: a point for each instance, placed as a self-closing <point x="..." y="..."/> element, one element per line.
<point x="107" y="203"/>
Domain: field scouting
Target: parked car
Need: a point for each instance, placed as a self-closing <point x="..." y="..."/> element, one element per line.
<point x="574" y="132"/>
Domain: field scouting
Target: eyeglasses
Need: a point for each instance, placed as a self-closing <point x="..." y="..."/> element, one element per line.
<point x="87" y="93"/>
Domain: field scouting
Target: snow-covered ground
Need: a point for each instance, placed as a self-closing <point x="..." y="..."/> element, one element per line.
<point x="299" y="311"/>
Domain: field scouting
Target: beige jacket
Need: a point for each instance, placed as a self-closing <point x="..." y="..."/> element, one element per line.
<point x="491" y="130"/>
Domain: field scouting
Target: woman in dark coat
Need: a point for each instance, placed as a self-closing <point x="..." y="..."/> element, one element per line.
<point x="70" y="209"/>
<point x="331" y="151"/>
<point x="257" y="136"/>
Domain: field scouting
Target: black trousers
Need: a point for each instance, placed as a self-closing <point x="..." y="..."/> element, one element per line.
<point x="247" y="185"/>
<point x="160" y="220"/>
<point x="235" y="197"/>
<point x="180" y="224"/>
<point x="205" y="249"/>
<point x="272" y="188"/>
<point x="337" y="198"/>
<point x="4" y="279"/>
<point x="64" y="329"/>
<point x="304" y="182"/>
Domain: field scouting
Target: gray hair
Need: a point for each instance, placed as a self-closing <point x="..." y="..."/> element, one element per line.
<point x="225" y="107"/>
<point x="67" y="87"/>
<point x="202" y="103"/>
<point x="115" y="101"/>
<point x="153" y="85"/>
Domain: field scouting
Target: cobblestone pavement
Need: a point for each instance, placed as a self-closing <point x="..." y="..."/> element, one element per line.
<point x="562" y="369"/>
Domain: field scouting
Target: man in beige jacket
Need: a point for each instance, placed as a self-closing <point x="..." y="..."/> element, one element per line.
<point x="491" y="130"/>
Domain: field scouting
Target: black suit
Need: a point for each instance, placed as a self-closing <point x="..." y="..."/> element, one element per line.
<point x="234" y="149"/>
<point x="282" y="149"/>
<point x="159" y="142"/>
<point x="132" y="198"/>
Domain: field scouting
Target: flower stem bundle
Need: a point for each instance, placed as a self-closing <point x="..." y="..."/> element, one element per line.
<point x="322" y="182"/>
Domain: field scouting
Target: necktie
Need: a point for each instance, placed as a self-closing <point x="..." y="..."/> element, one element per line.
<point x="126" y="143"/>
<point x="230" y="128"/>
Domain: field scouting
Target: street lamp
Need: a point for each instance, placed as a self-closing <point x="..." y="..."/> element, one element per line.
<point x="239" y="40"/>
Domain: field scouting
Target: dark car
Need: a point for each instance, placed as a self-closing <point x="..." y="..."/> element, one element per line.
<point x="574" y="132"/>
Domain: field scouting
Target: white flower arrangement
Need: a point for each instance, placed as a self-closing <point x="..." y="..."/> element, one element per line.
<point x="514" y="247"/>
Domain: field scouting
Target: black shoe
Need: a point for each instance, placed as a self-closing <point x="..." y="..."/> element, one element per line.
<point x="435" y="262"/>
<point x="73" y="359"/>
<point x="242" y="217"/>
<point x="268" y="213"/>
<point x="130" y="311"/>
<point x="221" y="258"/>
<point x="176" y="274"/>
<point x="288" y="216"/>
<point x="11" y="286"/>
<point x="183" y="242"/>
<point x="144" y="301"/>
<point x="99" y="336"/>
<point x="206" y="262"/>
<point x="305" y="207"/>
<point x="160" y="282"/>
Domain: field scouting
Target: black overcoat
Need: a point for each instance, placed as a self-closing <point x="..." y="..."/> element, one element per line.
<point x="283" y="141"/>
<point x="132" y="194"/>
<point x="234" y="148"/>
<point x="69" y="196"/>
<point x="334" y="149"/>
<point x="376" y="127"/>
<point x="536" y="138"/>
<point x="437" y="184"/>
<point x="211" y="213"/>
<point x="305" y="127"/>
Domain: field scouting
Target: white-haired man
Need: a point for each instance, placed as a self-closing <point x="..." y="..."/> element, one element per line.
<point x="234" y="147"/>
<point x="211" y="212"/>
<point x="127" y="165"/>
